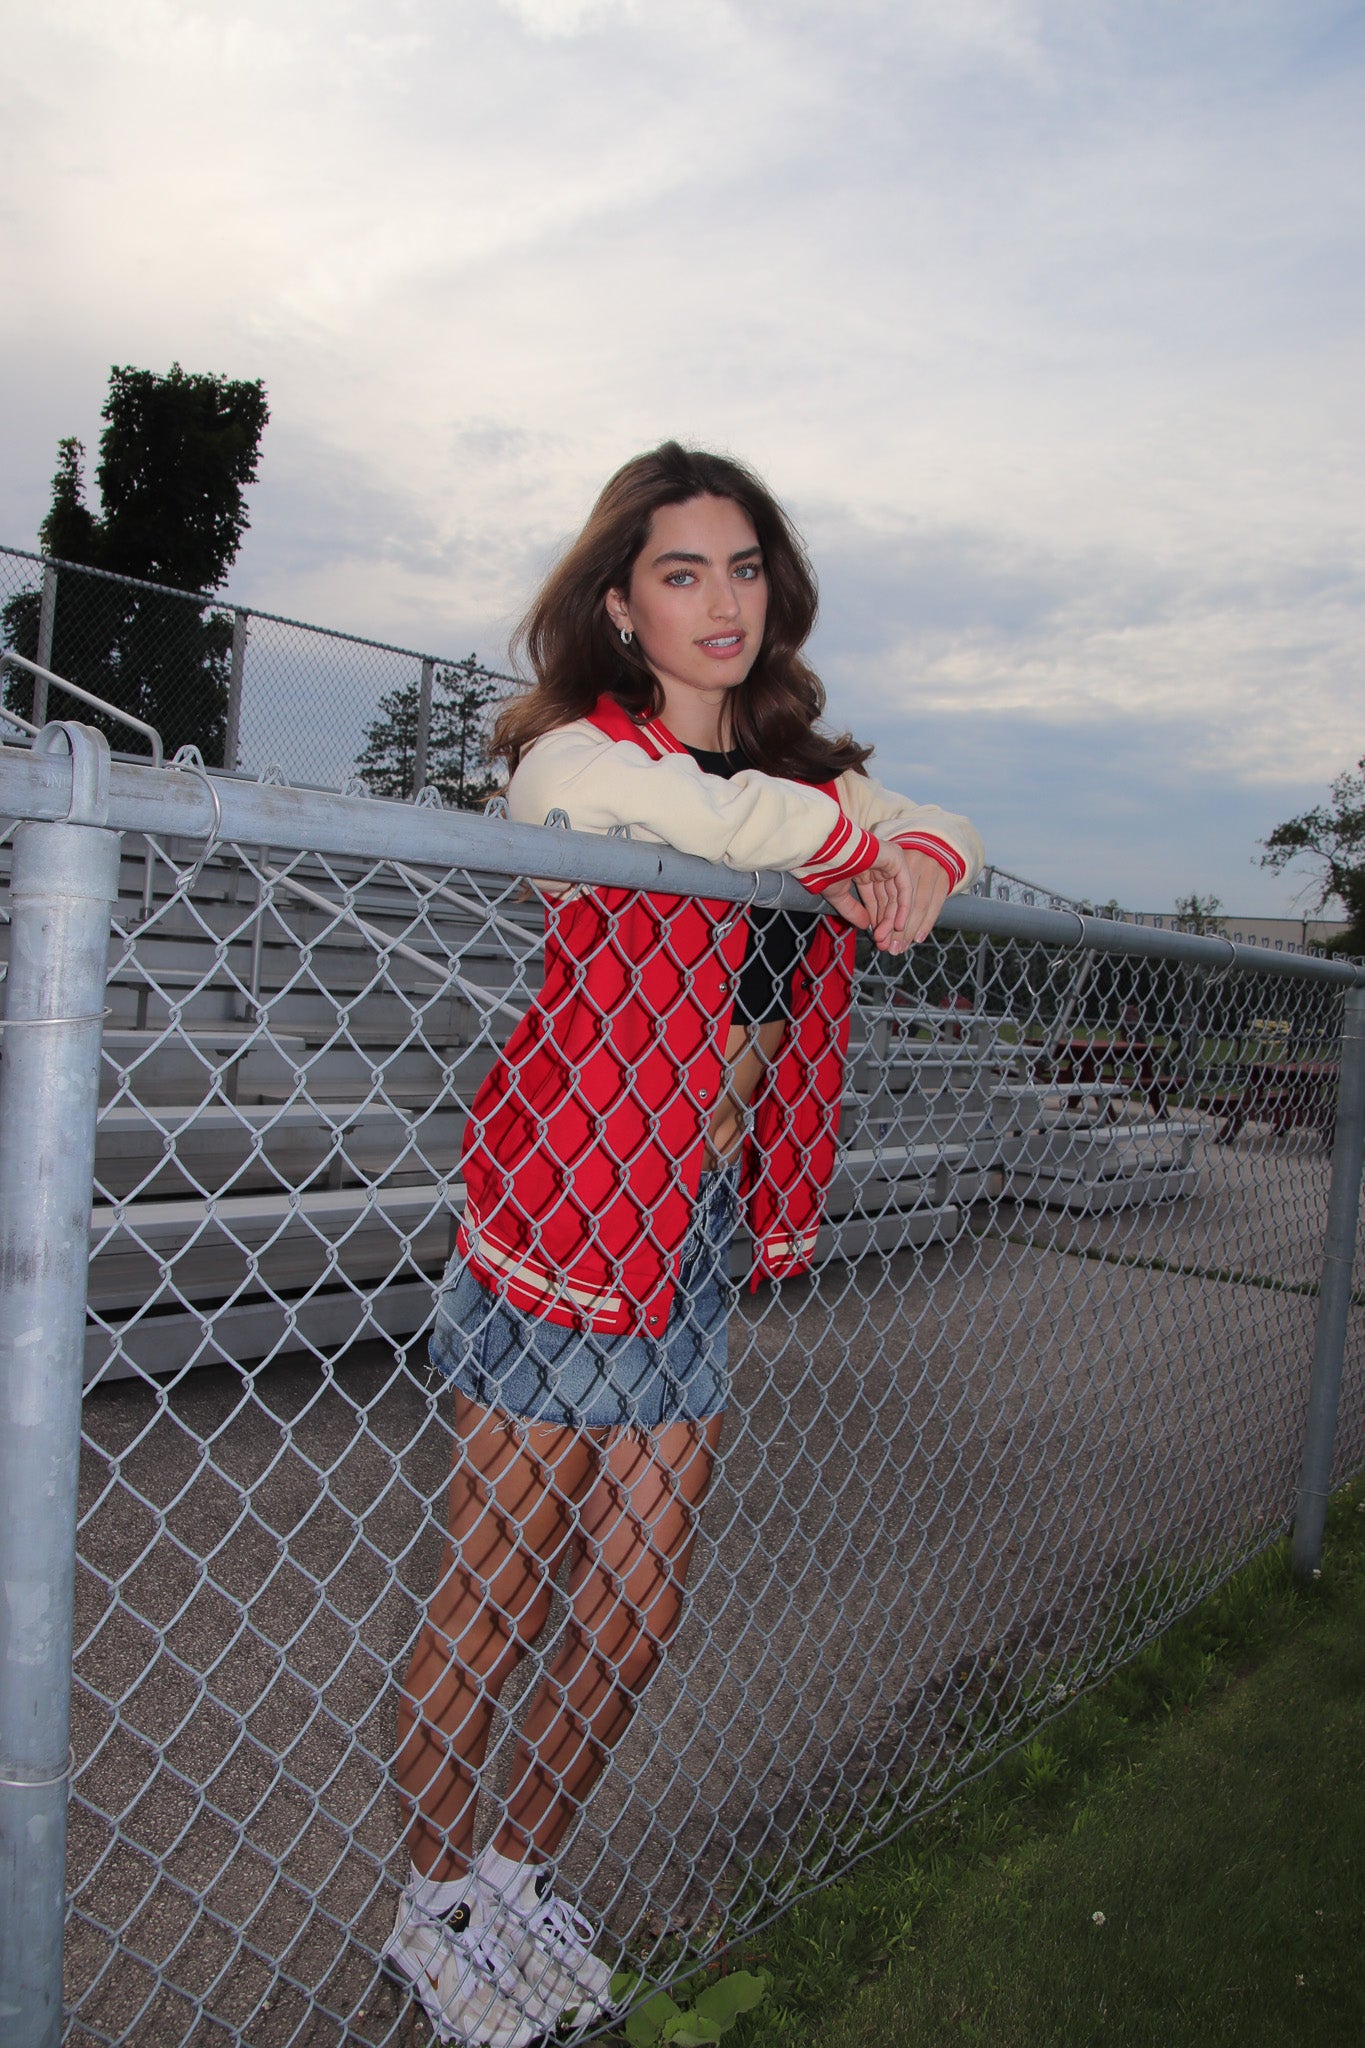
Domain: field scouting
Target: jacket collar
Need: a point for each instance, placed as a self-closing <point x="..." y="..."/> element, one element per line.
<point x="617" y="723"/>
<point x="651" y="734"/>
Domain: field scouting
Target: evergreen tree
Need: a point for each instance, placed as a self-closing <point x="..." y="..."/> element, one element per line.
<point x="387" y="761"/>
<point x="70" y="530"/>
<point x="458" y="763"/>
<point x="176" y="456"/>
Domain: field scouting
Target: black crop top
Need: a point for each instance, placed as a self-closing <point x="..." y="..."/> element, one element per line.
<point x="777" y="939"/>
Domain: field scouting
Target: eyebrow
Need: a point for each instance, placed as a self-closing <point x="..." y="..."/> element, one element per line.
<point x="703" y="561"/>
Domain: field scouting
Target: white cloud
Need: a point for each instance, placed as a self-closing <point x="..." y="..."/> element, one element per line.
<point x="1045" y="316"/>
<point x="570" y="17"/>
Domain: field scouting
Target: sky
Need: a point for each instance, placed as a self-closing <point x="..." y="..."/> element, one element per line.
<point x="1043" y="318"/>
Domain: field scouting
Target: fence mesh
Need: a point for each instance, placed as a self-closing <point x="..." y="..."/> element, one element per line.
<point x="1042" y="1390"/>
<point x="249" y="689"/>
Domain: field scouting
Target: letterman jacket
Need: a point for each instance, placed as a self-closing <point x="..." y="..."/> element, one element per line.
<point x="585" y="1143"/>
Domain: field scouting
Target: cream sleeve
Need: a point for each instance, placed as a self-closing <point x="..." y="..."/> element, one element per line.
<point x="922" y="828"/>
<point x="750" y="821"/>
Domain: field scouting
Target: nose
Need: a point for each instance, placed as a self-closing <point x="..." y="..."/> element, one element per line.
<point x="724" y="596"/>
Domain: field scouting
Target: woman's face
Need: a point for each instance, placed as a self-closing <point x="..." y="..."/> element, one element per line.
<point x="698" y="600"/>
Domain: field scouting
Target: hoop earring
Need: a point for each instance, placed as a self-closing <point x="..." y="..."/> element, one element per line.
<point x="626" y="636"/>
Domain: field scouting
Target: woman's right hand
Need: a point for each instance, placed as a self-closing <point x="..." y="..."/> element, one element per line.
<point x="897" y="899"/>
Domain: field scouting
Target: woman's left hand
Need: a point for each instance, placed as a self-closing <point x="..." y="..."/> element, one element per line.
<point x="898" y="900"/>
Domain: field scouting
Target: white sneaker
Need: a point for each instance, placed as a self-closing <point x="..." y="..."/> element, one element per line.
<point x="550" y="1945"/>
<point x="463" y="1975"/>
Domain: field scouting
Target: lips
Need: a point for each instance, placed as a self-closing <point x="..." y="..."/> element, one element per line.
<point x="722" y="644"/>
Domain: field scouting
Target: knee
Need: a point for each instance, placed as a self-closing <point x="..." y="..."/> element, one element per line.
<point x="493" y="1639"/>
<point x="641" y="1656"/>
<point x="637" y="1667"/>
<point x="526" y="1627"/>
<point x="511" y="1634"/>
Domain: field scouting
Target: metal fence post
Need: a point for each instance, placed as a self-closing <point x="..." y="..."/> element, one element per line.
<point x="1334" y="1291"/>
<point x="232" y="740"/>
<point x="419" y="759"/>
<point x="47" y="619"/>
<point x="65" y="880"/>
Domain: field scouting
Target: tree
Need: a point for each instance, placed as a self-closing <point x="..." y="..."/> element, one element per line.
<point x="176" y="456"/>
<point x="458" y="763"/>
<point x="387" y="760"/>
<point x="1200" y="914"/>
<point x="1335" y="837"/>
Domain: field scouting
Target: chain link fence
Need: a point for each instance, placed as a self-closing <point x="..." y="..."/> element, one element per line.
<point x="250" y="690"/>
<point x="1046" y="1385"/>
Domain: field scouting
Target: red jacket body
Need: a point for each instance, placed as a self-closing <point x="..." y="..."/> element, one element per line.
<point x="585" y="1143"/>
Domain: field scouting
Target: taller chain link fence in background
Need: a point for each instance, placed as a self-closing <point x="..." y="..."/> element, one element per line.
<point x="250" y="690"/>
<point x="1046" y="1386"/>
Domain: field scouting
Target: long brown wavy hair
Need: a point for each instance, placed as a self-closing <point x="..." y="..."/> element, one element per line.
<point x="575" y="653"/>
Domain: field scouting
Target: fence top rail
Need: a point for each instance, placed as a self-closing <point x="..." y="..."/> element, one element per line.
<point x="223" y="809"/>
<point x="223" y="603"/>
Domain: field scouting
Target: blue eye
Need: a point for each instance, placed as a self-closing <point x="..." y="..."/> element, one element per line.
<point x="750" y="571"/>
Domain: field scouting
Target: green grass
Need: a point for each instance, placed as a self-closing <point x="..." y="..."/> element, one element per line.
<point x="1208" y="1801"/>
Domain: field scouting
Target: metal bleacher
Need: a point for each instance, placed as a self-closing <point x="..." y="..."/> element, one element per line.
<point x="287" y="1056"/>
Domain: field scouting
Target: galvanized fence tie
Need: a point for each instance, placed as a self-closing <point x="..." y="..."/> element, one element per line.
<point x="38" y="1784"/>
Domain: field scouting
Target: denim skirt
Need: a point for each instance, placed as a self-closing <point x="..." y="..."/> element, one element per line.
<point x="503" y="1358"/>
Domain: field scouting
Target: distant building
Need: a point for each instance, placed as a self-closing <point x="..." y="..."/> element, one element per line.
<point x="1275" y="934"/>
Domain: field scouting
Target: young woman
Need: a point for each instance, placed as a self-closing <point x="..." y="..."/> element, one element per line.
<point x="683" y="1059"/>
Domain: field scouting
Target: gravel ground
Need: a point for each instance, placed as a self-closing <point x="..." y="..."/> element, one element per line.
<point x="992" y="1453"/>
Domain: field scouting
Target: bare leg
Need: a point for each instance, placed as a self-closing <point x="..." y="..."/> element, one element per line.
<point x="633" y="1543"/>
<point x="513" y="1499"/>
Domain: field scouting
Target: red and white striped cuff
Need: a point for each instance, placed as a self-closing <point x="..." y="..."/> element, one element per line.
<point x="847" y="852"/>
<point x="948" y="857"/>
